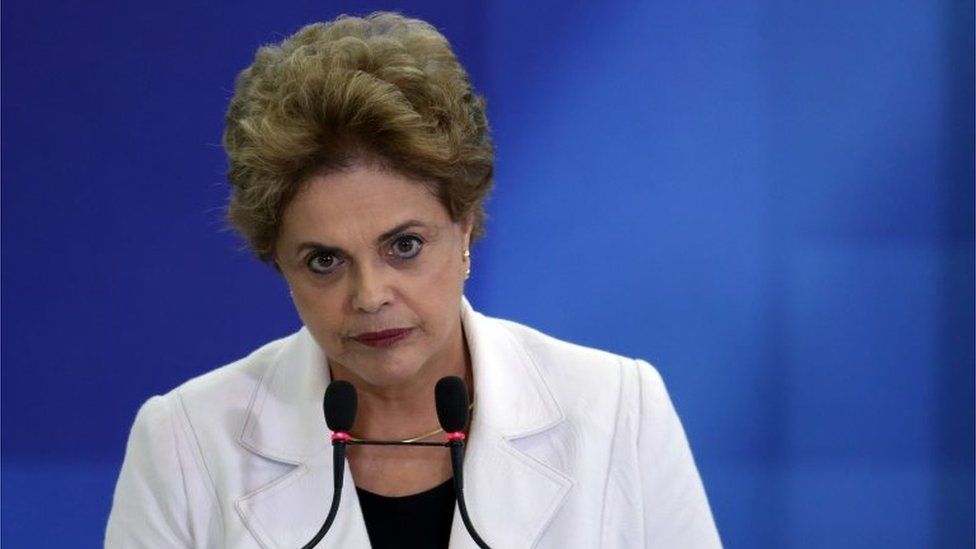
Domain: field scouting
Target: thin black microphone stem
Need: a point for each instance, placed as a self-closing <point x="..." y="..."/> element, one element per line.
<point x="338" y="471"/>
<point x="457" y="463"/>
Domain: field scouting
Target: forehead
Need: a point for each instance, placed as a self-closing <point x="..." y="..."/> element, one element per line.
<point x="360" y="202"/>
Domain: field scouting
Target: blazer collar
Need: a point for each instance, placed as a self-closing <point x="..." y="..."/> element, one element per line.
<point x="510" y="496"/>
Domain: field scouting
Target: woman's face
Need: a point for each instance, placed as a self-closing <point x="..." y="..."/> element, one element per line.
<point x="376" y="268"/>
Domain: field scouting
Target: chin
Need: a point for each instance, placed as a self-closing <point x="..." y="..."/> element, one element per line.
<point x="388" y="371"/>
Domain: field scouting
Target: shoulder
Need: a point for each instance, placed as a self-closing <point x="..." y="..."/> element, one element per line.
<point x="578" y="368"/>
<point x="236" y="379"/>
<point x="592" y="388"/>
<point x="211" y="409"/>
<point x="548" y="348"/>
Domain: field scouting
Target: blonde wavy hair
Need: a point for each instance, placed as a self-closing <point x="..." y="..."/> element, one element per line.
<point x="382" y="88"/>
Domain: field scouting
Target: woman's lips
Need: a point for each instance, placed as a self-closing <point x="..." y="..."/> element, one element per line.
<point x="384" y="338"/>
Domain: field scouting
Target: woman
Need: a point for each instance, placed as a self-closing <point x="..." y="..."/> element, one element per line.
<point x="360" y="160"/>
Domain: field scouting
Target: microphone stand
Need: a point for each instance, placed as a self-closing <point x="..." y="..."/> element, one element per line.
<point x="455" y="441"/>
<point x="339" y="441"/>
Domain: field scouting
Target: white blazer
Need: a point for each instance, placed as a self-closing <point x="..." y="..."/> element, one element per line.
<point x="570" y="447"/>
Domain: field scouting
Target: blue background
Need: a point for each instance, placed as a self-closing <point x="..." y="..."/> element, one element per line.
<point x="771" y="201"/>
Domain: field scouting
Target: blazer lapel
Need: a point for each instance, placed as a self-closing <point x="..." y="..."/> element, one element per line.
<point x="285" y="424"/>
<point x="286" y="513"/>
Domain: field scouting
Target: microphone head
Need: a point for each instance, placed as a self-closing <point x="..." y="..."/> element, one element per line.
<point x="340" y="406"/>
<point x="451" y="398"/>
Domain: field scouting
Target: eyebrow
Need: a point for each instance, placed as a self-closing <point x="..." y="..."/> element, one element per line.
<point x="382" y="238"/>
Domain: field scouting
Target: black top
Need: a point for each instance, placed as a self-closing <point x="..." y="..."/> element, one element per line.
<point x="417" y="521"/>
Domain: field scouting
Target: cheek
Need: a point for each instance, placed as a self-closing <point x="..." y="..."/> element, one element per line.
<point x="437" y="295"/>
<point x="442" y="281"/>
<point x="316" y="313"/>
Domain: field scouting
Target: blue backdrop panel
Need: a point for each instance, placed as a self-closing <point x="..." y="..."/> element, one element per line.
<point x="772" y="202"/>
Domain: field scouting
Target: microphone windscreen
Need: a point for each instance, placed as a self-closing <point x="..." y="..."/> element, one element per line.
<point x="340" y="406"/>
<point x="451" y="398"/>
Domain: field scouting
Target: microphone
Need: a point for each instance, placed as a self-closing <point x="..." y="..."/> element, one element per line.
<point x="451" y="398"/>
<point x="339" y="405"/>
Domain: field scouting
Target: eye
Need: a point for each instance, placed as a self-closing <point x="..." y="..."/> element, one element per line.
<point x="406" y="247"/>
<point x="323" y="262"/>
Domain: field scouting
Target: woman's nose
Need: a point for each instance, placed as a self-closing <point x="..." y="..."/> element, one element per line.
<point x="371" y="289"/>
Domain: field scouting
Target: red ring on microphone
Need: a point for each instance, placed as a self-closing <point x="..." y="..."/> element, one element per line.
<point x="340" y="436"/>
<point x="456" y="435"/>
